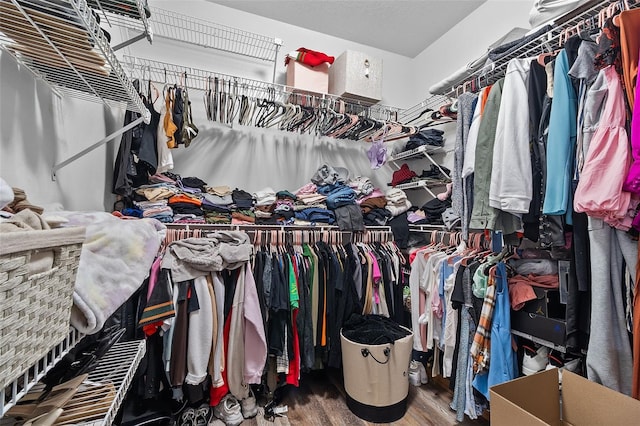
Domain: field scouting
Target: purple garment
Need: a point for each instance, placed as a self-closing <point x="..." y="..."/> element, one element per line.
<point x="632" y="183"/>
<point x="377" y="154"/>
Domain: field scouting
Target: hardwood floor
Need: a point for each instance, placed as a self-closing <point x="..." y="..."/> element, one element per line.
<point x="320" y="400"/>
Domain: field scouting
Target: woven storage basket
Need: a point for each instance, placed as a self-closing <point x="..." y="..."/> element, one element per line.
<point x="35" y="309"/>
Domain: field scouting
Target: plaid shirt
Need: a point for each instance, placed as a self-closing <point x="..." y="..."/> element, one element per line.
<point x="481" y="346"/>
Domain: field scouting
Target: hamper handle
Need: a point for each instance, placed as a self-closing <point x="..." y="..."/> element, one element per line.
<point x="387" y="352"/>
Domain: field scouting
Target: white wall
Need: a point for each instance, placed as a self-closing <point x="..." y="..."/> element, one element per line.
<point x="396" y="68"/>
<point x="465" y="42"/>
<point x="39" y="130"/>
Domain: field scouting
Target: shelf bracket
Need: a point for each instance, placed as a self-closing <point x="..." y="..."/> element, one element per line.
<point x="101" y="142"/>
<point x="130" y="42"/>
<point x="278" y="44"/>
<point x="436" y="164"/>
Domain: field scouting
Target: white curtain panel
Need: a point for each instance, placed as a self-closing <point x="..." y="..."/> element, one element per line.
<point x="253" y="158"/>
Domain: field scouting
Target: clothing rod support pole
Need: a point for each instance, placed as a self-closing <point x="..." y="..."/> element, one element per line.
<point x="85" y="151"/>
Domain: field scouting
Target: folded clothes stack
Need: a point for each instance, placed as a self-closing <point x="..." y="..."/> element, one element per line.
<point x="397" y="202"/>
<point x="329" y="194"/>
<point x="431" y="137"/>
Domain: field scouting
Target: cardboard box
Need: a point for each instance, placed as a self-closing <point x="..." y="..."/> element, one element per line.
<point x="550" y="329"/>
<point x="304" y="78"/>
<point x="535" y="400"/>
<point x="356" y="75"/>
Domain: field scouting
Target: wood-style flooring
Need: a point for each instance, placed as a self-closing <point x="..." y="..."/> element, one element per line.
<point x="320" y="400"/>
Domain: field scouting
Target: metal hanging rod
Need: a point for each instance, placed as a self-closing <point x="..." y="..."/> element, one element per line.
<point x="283" y="232"/>
<point x="198" y="79"/>
<point x="63" y="45"/>
<point x="584" y="16"/>
<point x="433" y="102"/>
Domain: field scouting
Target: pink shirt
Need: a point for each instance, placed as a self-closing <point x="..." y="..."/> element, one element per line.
<point x="599" y="192"/>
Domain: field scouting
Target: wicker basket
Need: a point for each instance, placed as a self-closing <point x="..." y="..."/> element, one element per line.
<point x="35" y="309"/>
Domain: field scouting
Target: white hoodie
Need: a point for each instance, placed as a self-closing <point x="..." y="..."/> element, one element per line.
<point x="511" y="177"/>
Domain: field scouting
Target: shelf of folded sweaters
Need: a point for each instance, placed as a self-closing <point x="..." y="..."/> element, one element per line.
<point x="98" y="398"/>
<point x="10" y="395"/>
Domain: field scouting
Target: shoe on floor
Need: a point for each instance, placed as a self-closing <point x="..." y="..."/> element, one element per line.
<point x="534" y="360"/>
<point x="414" y="373"/>
<point x="248" y="406"/>
<point x="229" y="411"/>
<point x="203" y="415"/>
<point x="188" y="417"/>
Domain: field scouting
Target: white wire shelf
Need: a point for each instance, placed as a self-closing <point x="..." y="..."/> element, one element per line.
<point x="200" y="32"/>
<point x="417" y="152"/>
<point x="584" y="15"/>
<point x="133" y="14"/>
<point x="433" y="102"/>
<point x="199" y="79"/>
<point x="427" y="228"/>
<point x="63" y="45"/>
<point x="10" y="395"/>
<point x="422" y="183"/>
<point x="102" y="394"/>
<point x="539" y="341"/>
<point x="133" y="9"/>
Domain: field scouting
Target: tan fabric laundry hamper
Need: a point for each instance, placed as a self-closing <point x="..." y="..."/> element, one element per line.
<point x="376" y="378"/>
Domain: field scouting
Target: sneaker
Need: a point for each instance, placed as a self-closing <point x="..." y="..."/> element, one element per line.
<point x="534" y="360"/>
<point x="229" y="411"/>
<point x="555" y="360"/>
<point x="575" y="366"/>
<point x="248" y="406"/>
<point x="203" y="415"/>
<point x="414" y="373"/>
<point x="188" y="417"/>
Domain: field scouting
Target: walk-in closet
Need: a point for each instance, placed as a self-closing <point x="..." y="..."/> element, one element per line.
<point x="336" y="212"/>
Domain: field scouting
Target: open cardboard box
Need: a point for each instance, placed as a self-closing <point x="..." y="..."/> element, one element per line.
<point x="535" y="400"/>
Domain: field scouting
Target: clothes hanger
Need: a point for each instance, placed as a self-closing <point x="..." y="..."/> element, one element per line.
<point x="437" y="119"/>
<point x="420" y="116"/>
<point x="403" y="132"/>
<point x="544" y="58"/>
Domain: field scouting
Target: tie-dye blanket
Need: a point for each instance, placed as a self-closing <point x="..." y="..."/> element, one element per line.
<point x="115" y="260"/>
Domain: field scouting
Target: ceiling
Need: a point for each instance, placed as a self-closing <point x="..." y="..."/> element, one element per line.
<point x="405" y="27"/>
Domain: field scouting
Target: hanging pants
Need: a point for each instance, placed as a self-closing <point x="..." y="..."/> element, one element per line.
<point x="609" y="359"/>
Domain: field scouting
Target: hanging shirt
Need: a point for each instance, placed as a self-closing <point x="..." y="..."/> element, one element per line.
<point x="511" y="177"/>
<point x="599" y="192"/>
<point x="562" y="139"/>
